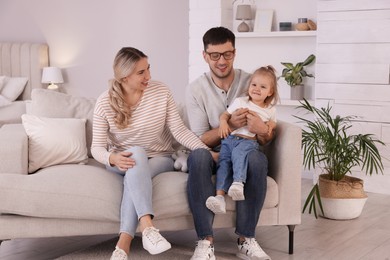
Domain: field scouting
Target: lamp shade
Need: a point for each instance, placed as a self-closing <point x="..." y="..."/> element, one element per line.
<point x="52" y="75"/>
<point x="244" y="12"/>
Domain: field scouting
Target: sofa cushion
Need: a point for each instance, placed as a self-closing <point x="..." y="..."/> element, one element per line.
<point x="93" y="193"/>
<point x="63" y="191"/>
<point x="170" y="195"/>
<point x="53" y="141"/>
<point x="48" y="103"/>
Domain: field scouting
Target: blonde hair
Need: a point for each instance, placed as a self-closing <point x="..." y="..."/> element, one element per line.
<point x="270" y="72"/>
<point x="124" y="64"/>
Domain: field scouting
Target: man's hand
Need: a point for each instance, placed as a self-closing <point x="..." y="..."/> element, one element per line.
<point x="256" y="124"/>
<point x="238" y="118"/>
<point x="122" y="160"/>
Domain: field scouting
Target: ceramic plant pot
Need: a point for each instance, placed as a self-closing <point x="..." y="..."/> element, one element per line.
<point x="297" y="92"/>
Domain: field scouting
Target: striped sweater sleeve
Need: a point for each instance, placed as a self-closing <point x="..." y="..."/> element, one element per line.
<point x="179" y="131"/>
<point x="99" y="147"/>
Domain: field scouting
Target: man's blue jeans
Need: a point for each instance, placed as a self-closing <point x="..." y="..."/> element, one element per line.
<point x="199" y="187"/>
<point x="233" y="160"/>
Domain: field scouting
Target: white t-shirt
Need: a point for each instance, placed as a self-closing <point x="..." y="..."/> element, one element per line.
<point x="266" y="114"/>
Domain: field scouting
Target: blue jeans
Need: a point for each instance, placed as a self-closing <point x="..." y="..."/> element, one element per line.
<point x="233" y="160"/>
<point x="137" y="187"/>
<point x="201" y="166"/>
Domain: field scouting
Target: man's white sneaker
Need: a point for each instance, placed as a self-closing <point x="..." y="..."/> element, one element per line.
<point x="216" y="204"/>
<point x="250" y="249"/>
<point x="118" y="254"/>
<point x="203" y="251"/>
<point x="236" y="191"/>
<point x="154" y="242"/>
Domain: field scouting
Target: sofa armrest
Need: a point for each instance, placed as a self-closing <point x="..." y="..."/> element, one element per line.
<point x="13" y="149"/>
<point x="285" y="167"/>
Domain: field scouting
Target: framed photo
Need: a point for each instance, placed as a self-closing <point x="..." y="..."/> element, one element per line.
<point x="263" y="20"/>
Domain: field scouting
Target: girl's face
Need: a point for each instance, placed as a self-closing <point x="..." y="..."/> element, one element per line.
<point x="139" y="78"/>
<point x="260" y="88"/>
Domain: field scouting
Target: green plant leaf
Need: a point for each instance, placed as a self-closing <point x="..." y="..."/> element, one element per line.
<point x="309" y="60"/>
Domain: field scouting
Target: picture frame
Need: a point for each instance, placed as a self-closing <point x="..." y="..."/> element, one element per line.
<point x="263" y="20"/>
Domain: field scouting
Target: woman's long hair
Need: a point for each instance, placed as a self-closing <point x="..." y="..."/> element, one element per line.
<point x="124" y="64"/>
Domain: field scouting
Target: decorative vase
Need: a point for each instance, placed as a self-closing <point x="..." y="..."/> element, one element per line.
<point x="297" y="92"/>
<point x="342" y="199"/>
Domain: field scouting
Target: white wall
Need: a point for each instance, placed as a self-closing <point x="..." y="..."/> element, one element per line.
<point x="84" y="36"/>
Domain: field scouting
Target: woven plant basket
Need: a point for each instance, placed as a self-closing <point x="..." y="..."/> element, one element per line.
<point x="347" y="188"/>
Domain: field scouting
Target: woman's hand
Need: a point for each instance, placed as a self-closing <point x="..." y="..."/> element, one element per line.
<point x="215" y="156"/>
<point x="122" y="160"/>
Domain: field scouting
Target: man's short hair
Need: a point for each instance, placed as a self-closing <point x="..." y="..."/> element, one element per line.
<point x="218" y="35"/>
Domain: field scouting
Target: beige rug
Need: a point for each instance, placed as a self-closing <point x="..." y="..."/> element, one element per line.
<point x="103" y="251"/>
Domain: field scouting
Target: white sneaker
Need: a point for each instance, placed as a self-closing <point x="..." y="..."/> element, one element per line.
<point x="118" y="254"/>
<point x="236" y="191"/>
<point x="203" y="251"/>
<point x="250" y="249"/>
<point x="154" y="242"/>
<point x="216" y="204"/>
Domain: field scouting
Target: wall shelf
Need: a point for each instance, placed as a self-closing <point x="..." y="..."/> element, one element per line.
<point x="295" y="103"/>
<point x="276" y="34"/>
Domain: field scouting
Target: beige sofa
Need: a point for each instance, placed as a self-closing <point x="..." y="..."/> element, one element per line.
<point x="84" y="199"/>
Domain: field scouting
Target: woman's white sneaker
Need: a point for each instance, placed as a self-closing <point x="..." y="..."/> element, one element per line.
<point x="118" y="254"/>
<point x="154" y="242"/>
<point x="203" y="251"/>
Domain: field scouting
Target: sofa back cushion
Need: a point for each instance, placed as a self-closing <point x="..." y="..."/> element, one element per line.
<point x="49" y="103"/>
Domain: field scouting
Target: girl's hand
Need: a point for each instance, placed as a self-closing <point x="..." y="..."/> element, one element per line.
<point x="224" y="130"/>
<point x="215" y="156"/>
<point x="122" y="160"/>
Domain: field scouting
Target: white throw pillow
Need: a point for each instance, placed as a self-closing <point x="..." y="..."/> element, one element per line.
<point x="2" y="82"/>
<point x="4" y="102"/>
<point x="13" y="87"/>
<point x="54" y="141"/>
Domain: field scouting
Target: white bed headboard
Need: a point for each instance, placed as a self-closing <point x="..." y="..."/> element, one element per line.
<point x="24" y="60"/>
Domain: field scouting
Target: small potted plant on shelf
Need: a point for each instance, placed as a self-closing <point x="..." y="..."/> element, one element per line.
<point x="294" y="75"/>
<point x="327" y="145"/>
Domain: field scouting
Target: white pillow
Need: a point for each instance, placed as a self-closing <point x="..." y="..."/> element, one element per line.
<point x="13" y="87"/>
<point x="4" y="102"/>
<point x="2" y="82"/>
<point x="54" y="141"/>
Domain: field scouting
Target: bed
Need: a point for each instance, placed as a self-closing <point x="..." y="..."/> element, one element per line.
<point x="19" y="62"/>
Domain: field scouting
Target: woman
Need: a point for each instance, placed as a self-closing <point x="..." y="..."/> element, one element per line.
<point x="132" y="128"/>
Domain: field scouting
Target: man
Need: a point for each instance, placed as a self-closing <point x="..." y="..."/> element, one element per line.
<point x="206" y="98"/>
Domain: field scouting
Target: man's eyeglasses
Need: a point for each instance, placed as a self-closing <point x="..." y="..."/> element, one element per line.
<point x="227" y="55"/>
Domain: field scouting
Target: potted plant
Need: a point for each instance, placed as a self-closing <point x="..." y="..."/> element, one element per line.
<point x="294" y="75"/>
<point x="328" y="145"/>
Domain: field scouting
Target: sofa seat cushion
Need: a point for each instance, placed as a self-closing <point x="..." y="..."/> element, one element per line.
<point x="63" y="191"/>
<point x="170" y="195"/>
<point x="91" y="192"/>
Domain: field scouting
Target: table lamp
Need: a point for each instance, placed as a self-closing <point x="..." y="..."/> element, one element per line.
<point x="52" y="75"/>
<point x="244" y="12"/>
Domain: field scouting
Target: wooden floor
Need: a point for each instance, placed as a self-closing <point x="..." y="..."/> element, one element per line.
<point x="367" y="237"/>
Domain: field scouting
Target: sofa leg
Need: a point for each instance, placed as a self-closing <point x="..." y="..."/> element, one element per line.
<point x="291" y="239"/>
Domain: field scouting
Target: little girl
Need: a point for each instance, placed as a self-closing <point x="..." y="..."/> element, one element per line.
<point x="236" y="145"/>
